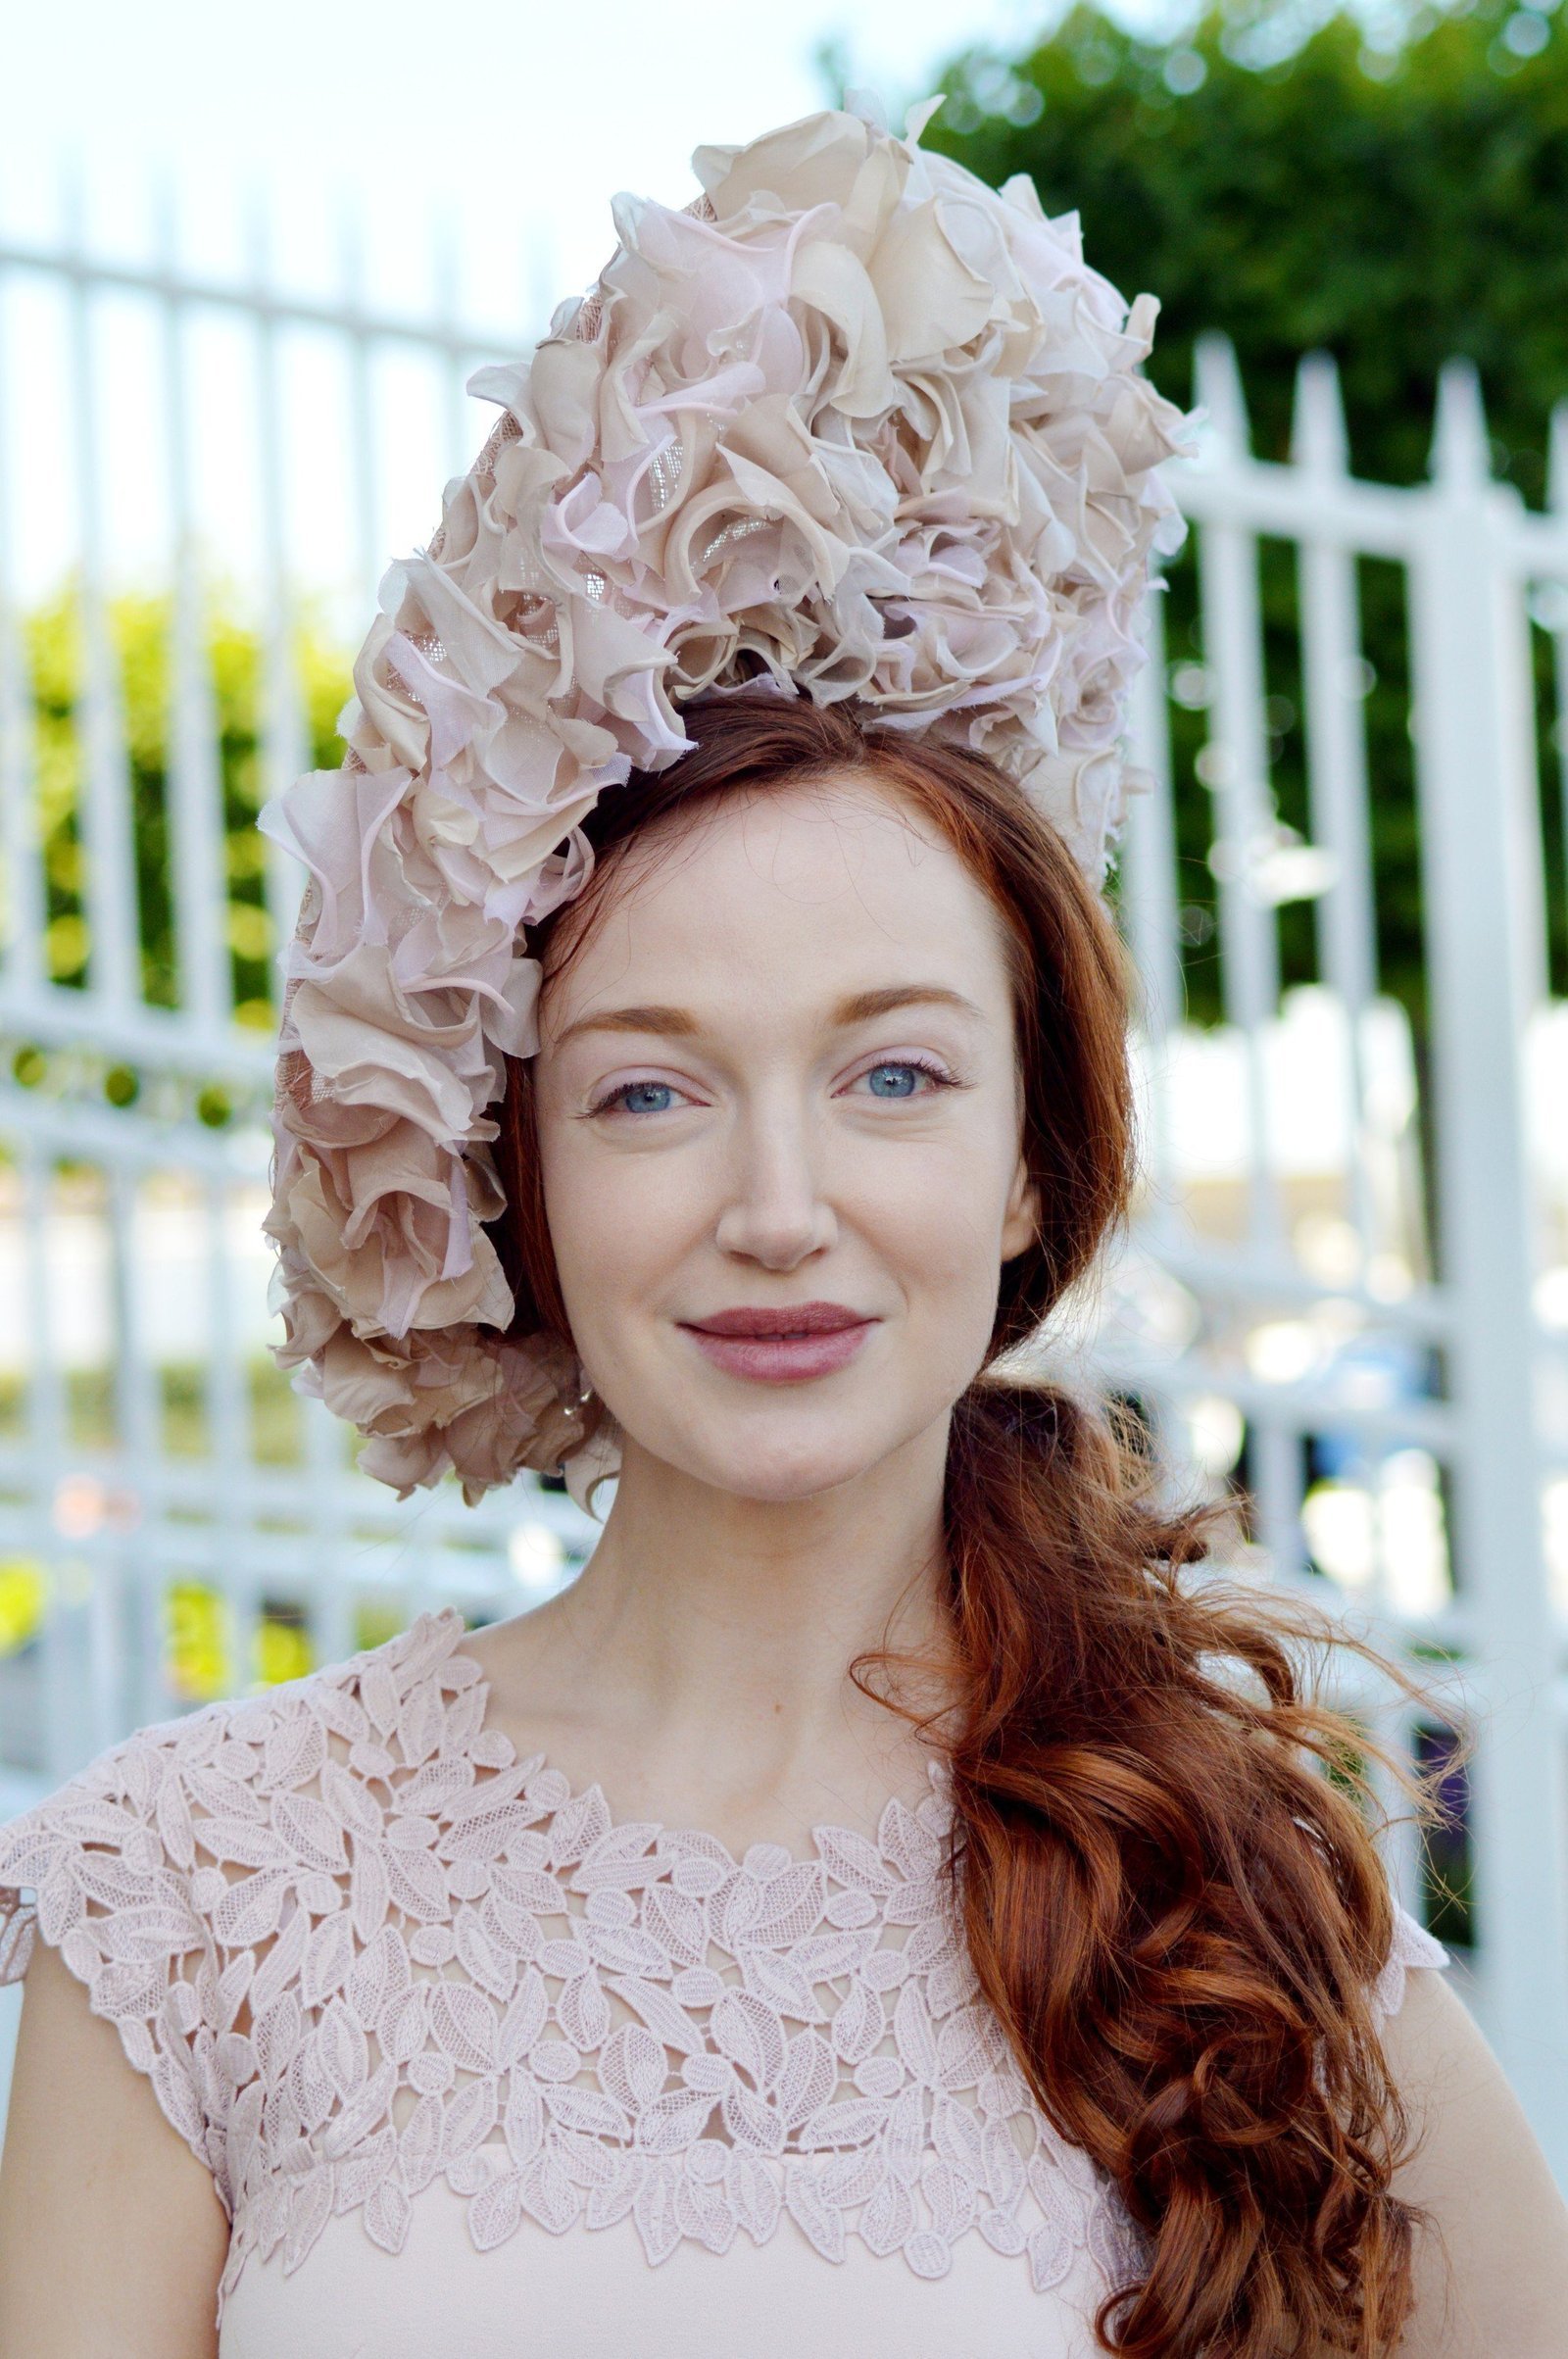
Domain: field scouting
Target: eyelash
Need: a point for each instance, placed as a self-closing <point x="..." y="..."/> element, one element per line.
<point x="610" y="1102"/>
<point x="912" y="1064"/>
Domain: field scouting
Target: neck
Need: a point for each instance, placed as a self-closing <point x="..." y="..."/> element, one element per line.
<point x="717" y="1603"/>
<point x="700" y="1664"/>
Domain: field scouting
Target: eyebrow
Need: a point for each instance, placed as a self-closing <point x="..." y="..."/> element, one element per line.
<point x="861" y="1007"/>
<point x="865" y="1005"/>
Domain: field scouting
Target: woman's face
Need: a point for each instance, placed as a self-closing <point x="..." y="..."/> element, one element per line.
<point x="779" y="1118"/>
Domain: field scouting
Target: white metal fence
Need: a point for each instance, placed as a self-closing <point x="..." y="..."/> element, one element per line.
<point x="140" y="1443"/>
<point x="1392" y="1374"/>
<point x="1472" y="1285"/>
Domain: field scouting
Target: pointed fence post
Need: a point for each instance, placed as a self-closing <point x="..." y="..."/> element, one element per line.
<point x="105" y="808"/>
<point x="1233" y="652"/>
<point x="195" y="772"/>
<point x="1150" y="899"/>
<point x="1557" y="501"/>
<point x="1248" y="926"/>
<point x="284" y="747"/>
<point x="1484" y="897"/>
<point x="22" y="895"/>
<point x="1335" y="749"/>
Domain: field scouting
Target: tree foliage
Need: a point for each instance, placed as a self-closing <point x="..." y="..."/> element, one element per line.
<point x="1394" y="218"/>
<point x="1393" y="208"/>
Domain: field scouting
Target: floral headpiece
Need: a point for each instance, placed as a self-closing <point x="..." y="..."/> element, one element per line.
<point x="853" y="425"/>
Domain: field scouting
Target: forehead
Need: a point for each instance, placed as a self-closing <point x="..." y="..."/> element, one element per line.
<point x="803" y="891"/>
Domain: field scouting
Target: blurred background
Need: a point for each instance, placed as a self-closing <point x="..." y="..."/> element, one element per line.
<point x="245" y="269"/>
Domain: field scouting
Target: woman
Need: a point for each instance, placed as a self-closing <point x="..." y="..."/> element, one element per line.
<point x="882" y="1906"/>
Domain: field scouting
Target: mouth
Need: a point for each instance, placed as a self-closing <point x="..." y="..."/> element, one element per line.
<point x="788" y="1344"/>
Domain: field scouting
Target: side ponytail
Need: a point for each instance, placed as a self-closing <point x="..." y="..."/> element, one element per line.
<point x="1176" y="1916"/>
<point x="1175" y="1912"/>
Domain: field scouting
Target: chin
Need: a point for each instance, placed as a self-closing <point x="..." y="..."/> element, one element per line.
<point x="780" y="1467"/>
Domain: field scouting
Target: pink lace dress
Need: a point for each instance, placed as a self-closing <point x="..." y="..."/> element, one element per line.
<point x="476" y="2069"/>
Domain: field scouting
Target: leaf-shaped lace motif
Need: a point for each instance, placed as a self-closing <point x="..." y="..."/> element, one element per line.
<point x="359" y="1945"/>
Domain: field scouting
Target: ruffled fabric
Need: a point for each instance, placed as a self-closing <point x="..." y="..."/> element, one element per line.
<point x="1412" y="1945"/>
<point x="854" y="426"/>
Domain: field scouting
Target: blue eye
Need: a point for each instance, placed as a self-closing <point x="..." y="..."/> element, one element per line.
<point x="641" y="1098"/>
<point x="894" y="1080"/>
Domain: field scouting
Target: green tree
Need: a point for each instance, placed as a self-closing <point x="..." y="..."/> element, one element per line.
<point x="1393" y="216"/>
<point x="1393" y="207"/>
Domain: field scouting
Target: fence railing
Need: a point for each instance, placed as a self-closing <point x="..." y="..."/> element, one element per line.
<point x="1431" y="1332"/>
<point x="1346" y="1287"/>
<point x="144" y="1445"/>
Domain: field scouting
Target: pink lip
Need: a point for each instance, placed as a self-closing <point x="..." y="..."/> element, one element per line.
<point x="781" y="1346"/>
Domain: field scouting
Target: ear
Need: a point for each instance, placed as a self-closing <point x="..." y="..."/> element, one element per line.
<point x="1020" y="1224"/>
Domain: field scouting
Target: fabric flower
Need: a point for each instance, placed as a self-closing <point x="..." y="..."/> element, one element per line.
<point x="853" y="424"/>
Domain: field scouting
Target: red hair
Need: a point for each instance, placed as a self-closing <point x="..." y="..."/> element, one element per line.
<point x="1174" y="1912"/>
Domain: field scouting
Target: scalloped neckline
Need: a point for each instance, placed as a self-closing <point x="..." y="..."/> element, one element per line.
<point x="659" y="1831"/>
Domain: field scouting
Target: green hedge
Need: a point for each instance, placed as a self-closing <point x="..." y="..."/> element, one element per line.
<point x="141" y="634"/>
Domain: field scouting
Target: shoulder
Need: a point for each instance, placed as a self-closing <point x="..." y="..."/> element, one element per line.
<point x="169" y="1868"/>
<point x="1492" y="2247"/>
<point x="139" y="1804"/>
<point x="168" y="1796"/>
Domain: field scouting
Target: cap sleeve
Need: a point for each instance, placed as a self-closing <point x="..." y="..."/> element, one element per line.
<point x="104" y="1871"/>
<point x="1412" y="1945"/>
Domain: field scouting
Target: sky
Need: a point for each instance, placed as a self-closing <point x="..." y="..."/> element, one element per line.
<point x="521" y="120"/>
<point x="309" y="129"/>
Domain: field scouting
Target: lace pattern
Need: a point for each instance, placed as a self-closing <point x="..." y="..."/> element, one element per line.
<point x="358" y="1944"/>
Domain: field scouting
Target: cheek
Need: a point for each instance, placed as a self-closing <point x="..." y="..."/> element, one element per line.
<point x="936" y="1205"/>
<point x="629" y="1230"/>
<point x="619" y="1225"/>
<point x="931" y="1226"/>
<point x="573" y="1215"/>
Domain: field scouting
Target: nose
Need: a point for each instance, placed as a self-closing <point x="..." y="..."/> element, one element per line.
<point x="776" y="1214"/>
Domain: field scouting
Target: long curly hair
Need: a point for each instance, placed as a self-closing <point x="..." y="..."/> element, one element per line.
<point x="1170" y="1880"/>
